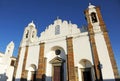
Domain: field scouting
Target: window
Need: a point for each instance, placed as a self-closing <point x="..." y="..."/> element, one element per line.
<point x="57" y="52"/>
<point x="93" y="17"/>
<point x="27" y="34"/>
<point x="57" y="30"/>
<point x="33" y="34"/>
<point x="12" y="63"/>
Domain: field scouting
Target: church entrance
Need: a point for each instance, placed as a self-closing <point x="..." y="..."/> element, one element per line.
<point x="57" y="73"/>
<point x="87" y="75"/>
<point x="86" y="70"/>
<point x="57" y="69"/>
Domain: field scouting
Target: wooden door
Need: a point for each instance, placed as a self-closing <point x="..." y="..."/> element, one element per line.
<point x="57" y="73"/>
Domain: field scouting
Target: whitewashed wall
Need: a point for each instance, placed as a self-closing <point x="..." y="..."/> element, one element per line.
<point x="107" y="70"/>
<point x="33" y="56"/>
<point x="20" y="64"/>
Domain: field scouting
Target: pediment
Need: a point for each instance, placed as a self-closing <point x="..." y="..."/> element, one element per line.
<point x="57" y="60"/>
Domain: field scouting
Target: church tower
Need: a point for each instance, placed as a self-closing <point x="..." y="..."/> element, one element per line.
<point x="26" y="65"/>
<point x="100" y="41"/>
<point x="9" y="49"/>
<point x="30" y="34"/>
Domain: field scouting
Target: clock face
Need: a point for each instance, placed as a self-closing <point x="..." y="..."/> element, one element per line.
<point x="57" y="29"/>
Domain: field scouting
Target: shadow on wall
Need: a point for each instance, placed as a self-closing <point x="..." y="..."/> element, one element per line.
<point x="112" y="79"/>
<point x="44" y="78"/>
<point x="3" y="77"/>
<point x="50" y="79"/>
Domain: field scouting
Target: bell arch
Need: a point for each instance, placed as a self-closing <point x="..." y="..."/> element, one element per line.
<point x="94" y="17"/>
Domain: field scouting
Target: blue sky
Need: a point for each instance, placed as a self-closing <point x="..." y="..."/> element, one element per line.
<point x="16" y="14"/>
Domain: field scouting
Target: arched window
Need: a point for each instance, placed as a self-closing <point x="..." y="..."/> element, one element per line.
<point x="12" y="62"/>
<point x="57" y="30"/>
<point x="33" y="34"/>
<point x="27" y="33"/>
<point x="93" y="17"/>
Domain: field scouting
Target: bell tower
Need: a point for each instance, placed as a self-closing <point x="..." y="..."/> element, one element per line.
<point x="9" y="49"/>
<point x="30" y="34"/>
<point x="99" y="38"/>
<point x="94" y="18"/>
<point x="28" y="41"/>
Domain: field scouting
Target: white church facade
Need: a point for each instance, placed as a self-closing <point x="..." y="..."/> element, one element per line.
<point x="64" y="52"/>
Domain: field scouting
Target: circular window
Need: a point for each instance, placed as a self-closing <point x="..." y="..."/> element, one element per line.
<point x="57" y="52"/>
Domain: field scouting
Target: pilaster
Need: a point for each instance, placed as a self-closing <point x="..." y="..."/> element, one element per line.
<point x="41" y="66"/>
<point x="24" y="72"/>
<point x="108" y="44"/>
<point x="70" y="60"/>
<point x="16" y="65"/>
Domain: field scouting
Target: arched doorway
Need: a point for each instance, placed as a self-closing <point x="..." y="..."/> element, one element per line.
<point x="55" y="62"/>
<point x="31" y="73"/>
<point x="57" y="69"/>
<point x="86" y="70"/>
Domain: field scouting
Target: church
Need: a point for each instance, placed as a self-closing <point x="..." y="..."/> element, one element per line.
<point x="7" y="63"/>
<point x="65" y="52"/>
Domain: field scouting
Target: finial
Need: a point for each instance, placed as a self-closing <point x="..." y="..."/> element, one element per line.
<point x="11" y="43"/>
<point x="89" y="4"/>
<point x="32" y="21"/>
<point x="57" y="17"/>
<point x="46" y="27"/>
<point x="70" y="22"/>
<point x="31" y="24"/>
